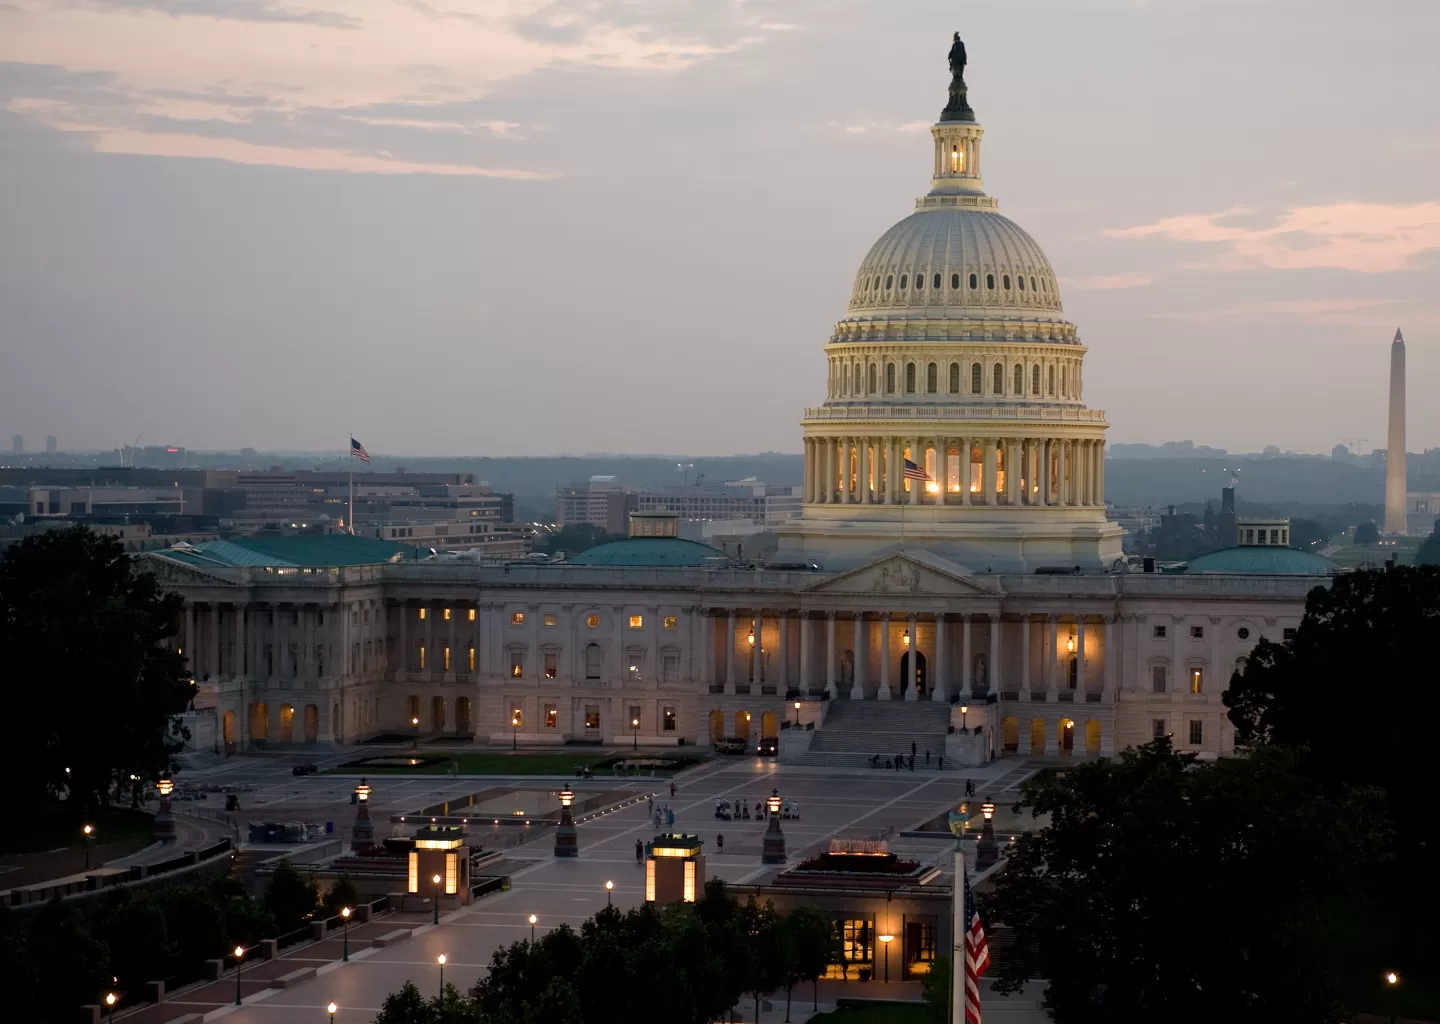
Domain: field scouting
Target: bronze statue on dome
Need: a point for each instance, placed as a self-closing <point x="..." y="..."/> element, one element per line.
<point x="958" y="109"/>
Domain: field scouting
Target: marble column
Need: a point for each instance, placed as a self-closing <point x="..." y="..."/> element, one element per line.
<point x="757" y="664"/>
<point x="730" y="652"/>
<point x="1080" y="652"/>
<point x="1014" y="469"/>
<point x="830" y="654"/>
<point x="1052" y="631"/>
<point x="1063" y="483"/>
<point x="1024" y="687"/>
<point x="783" y="651"/>
<point x="917" y="487"/>
<point x="1110" y="659"/>
<point x="939" y="687"/>
<point x="996" y="667"/>
<point x="1100" y="472"/>
<point x="942" y="468"/>
<point x="212" y="643"/>
<point x="844" y="470"/>
<point x="862" y="653"/>
<point x="863" y="471"/>
<point x="908" y="684"/>
<point x="988" y="473"/>
<point x="967" y="661"/>
<point x="884" y="691"/>
<point x="1044" y="474"/>
<point x="807" y="675"/>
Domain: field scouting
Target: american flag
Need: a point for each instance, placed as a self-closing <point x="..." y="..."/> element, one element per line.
<point x="977" y="956"/>
<point x="358" y="450"/>
<point x="914" y="472"/>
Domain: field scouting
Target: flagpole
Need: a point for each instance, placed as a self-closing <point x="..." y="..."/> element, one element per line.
<point x="350" y="521"/>
<point x="958" y="926"/>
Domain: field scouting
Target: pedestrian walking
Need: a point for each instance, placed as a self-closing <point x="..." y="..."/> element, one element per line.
<point x="672" y="790"/>
<point x="670" y="818"/>
<point x="639" y="851"/>
<point x="912" y="762"/>
<point x="719" y="842"/>
<point x="940" y="762"/>
<point x="912" y="748"/>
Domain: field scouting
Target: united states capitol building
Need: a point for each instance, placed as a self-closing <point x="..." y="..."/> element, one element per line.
<point x="952" y="577"/>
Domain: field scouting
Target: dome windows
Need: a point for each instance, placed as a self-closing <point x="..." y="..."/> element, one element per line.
<point x="904" y="281"/>
<point x="990" y="281"/>
<point x="919" y="282"/>
<point x="955" y="281"/>
<point x="998" y="379"/>
<point x="936" y="283"/>
<point x="889" y="378"/>
<point x="889" y="281"/>
<point x="1035" y="380"/>
<point x="932" y="379"/>
<point x="909" y="378"/>
<point x="1050" y="381"/>
<point x="954" y="378"/>
<point x="1019" y="388"/>
<point x="871" y="380"/>
<point x="974" y="378"/>
<point x="1006" y="281"/>
<point x="974" y="281"/>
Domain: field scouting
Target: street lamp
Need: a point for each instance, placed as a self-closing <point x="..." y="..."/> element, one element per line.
<point x="164" y="820"/>
<point x="986" y="851"/>
<point x="441" y="961"/>
<point x="331" y="1010"/>
<point x="415" y="724"/>
<point x="514" y="728"/>
<point x="567" y="841"/>
<point x="436" y="880"/>
<point x="964" y="710"/>
<point x="239" y="963"/>
<point x="797" y="714"/>
<point x="363" y="835"/>
<point x="634" y="734"/>
<point x="1392" y="982"/>
<point x="886" y="940"/>
<point x="110" y="1000"/>
<point x="532" y="927"/>
<point x="609" y="888"/>
<point x="345" y="932"/>
<point x="772" y="847"/>
<point x="88" y="830"/>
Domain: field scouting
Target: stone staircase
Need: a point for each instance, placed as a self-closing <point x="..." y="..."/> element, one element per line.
<point x="856" y="730"/>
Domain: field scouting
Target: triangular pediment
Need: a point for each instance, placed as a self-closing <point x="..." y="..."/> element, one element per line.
<point x="909" y="572"/>
<point x="169" y="570"/>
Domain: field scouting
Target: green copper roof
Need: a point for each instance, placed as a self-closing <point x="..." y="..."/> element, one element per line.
<point x="650" y="551"/>
<point x="304" y="551"/>
<point x="1261" y="561"/>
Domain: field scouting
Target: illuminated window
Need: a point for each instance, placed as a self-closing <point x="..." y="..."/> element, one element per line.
<point x="689" y="893"/>
<point x="592" y="716"/>
<point x="593" y="621"/>
<point x="471" y="659"/>
<point x="1197" y="732"/>
<point x="470" y="614"/>
<point x="517" y="618"/>
<point x="667" y="719"/>
<point x="1157" y="678"/>
<point x="517" y="666"/>
<point x="550" y="665"/>
<point x="1197" y="632"/>
<point x="669" y="622"/>
<point x="452" y="873"/>
<point x="1197" y="680"/>
<point x="422" y="612"/>
<point x="413" y="881"/>
<point x="446" y="666"/>
<point x="649" y="881"/>
<point x="445" y="614"/>
<point x="636" y="621"/>
<point x="552" y="717"/>
<point x="633" y="664"/>
<point x="422" y="657"/>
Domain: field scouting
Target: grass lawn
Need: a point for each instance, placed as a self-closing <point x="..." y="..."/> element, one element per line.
<point x="510" y="764"/>
<point x="58" y="826"/>
<point x="885" y="1013"/>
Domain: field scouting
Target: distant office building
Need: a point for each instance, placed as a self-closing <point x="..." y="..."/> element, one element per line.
<point x="749" y="500"/>
<point x="51" y="445"/>
<point x="600" y="502"/>
<point x="17" y="444"/>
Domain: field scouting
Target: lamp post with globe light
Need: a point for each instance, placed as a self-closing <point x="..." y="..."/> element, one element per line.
<point x="87" y="832"/>
<point x="415" y="725"/>
<point x="164" y="819"/>
<point x="609" y="888"/>
<point x="797" y="714"/>
<point x="987" y="851"/>
<point x="634" y="734"/>
<point x="567" y="841"/>
<point x="964" y="710"/>
<point x="345" y="933"/>
<point x="239" y="966"/>
<point x="363" y="836"/>
<point x="772" y="848"/>
<point x="110" y="1000"/>
<point x="514" y="729"/>
<point x="331" y="1010"/>
<point x="1392" y="984"/>
<point x="435" y="880"/>
<point x="533" y="919"/>
<point x="885" y="940"/>
<point x="441" y="961"/>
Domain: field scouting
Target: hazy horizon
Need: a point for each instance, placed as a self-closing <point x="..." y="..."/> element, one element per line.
<point x="521" y="227"/>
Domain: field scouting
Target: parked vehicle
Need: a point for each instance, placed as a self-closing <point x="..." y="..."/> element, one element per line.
<point x="731" y="745"/>
<point x="305" y="769"/>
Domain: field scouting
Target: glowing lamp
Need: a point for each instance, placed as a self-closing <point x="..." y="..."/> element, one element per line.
<point x="533" y="919"/>
<point x="609" y="886"/>
<point x="362" y="791"/>
<point x="750" y="638"/>
<point x="109" y="998"/>
<point x="1391" y="978"/>
<point x="773" y="801"/>
<point x="331" y="1009"/>
<point x="886" y="938"/>
<point x="414" y="721"/>
<point x="797" y="705"/>
<point x="440" y="959"/>
<point x="344" y="911"/>
<point x="987" y="809"/>
<point x="1070" y="643"/>
<point x="567" y="797"/>
<point x="239" y="952"/>
<point x="905" y="639"/>
<point x="166" y="787"/>
<point x="964" y="709"/>
<point x="88" y="830"/>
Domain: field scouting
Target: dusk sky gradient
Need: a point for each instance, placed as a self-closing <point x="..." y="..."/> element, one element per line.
<point x="519" y="227"/>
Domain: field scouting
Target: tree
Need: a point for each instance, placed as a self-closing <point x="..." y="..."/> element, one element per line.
<point x="764" y="964"/>
<point x="135" y="930"/>
<point x="1367" y="533"/>
<point x="815" y="945"/>
<point x="1106" y="902"/>
<point x="1367" y="631"/>
<point x="70" y="965"/>
<point x="290" y="897"/>
<point x="935" y="989"/>
<point x="342" y="894"/>
<point x="1429" y="553"/>
<point x="86" y="669"/>
<point x="404" y="1007"/>
<point x="17" y="969"/>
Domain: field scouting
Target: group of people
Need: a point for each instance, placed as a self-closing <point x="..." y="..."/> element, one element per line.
<point x="739" y="810"/>
<point x="662" y="816"/>
<point x="900" y="762"/>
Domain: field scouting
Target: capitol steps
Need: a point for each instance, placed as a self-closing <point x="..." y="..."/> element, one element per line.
<point x="854" y="731"/>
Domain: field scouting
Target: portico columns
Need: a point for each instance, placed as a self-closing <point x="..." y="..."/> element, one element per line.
<point x="1025" y="658"/>
<point x="784" y="651"/>
<point x="913" y="627"/>
<point x="994" y="680"/>
<point x="939" y="691"/>
<point x="756" y="664"/>
<point x="1053" y="624"/>
<point x="987" y="473"/>
<point x="845" y="470"/>
<point x="830" y="654"/>
<point x="1044" y="472"/>
<point x="884" y="691"/>
<point x="863" y="471"/>
<point x="966" y="662"/>
<point x="862" y="653"/>
<point x="212" y="643"/>
<point x="1110" y="659"/>
<point x="1063" y="481"/>
<point x="917" y="457"/>
<point x="1080" y="652"/>
<point x="806" y="674"/>
<point x="730" y="653"/>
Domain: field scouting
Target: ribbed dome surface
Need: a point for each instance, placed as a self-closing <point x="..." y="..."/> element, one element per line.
<point x="1261" y="561"/>
<point x="986" y="266"/>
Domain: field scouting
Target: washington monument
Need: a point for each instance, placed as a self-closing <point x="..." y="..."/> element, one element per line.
<point x="1395" y="450"/>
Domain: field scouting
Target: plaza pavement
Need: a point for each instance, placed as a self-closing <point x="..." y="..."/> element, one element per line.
<point x="833" y="802"/>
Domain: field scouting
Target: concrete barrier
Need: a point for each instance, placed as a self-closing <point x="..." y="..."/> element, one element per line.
<point x="293" y="978"/>
<point x="155" y="991"/>
<point x="214" y="970"/>
<point x="390" y="938"/>
<point x="269" y="948"/>
<point x="317" y="930"/>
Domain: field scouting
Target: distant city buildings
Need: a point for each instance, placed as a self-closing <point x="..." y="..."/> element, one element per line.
<point x="750" y="504"/>
<point x="17" y="444"/>
<point x="51" y="445"/>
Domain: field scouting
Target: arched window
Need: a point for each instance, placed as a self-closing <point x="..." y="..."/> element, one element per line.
<point x="592" y="661"/>
<point x="1019" y="388"/>
<point x="998" y="379"/>
<point x="990" y="281"/>
<point x="955" y="281"/>
<point x="974" y="281"/>
<point x="889" y="280"/>
<point x="1050" y="382"/>
<point x="1065" y="381"/>
<point x="889" y="378"/>
<point x="845" y="387"/>
<point x="877" y="282"/>
<point x="936" y="283"/>
<point x="871" y="388"/>
<point x="1021" y="282"/>
<point x="974" y="378"/>
<point x="919" y="282"/>
<point x="909" y="378"/>
<point x="1035" y="380"/>
<point x="1006" y="282"/>
<point x="904" y="281"/>
<point x="954" y="378"/>
<point x="932" y="379"/>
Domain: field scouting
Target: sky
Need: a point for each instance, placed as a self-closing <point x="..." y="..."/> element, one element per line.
<point x="528" y="227"/>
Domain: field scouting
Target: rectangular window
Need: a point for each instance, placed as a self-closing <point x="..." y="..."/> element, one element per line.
<point x="636" y="621"/>
<point x="1197" y="680"/>
<point x="669" y="622"/>
<point x="633" y="664"/>
<point x="669" y="668"/>
<point x="550" y="619"/>
<point x="1157" y="678"/>
<point x="470" y="615"/>
<point x="649" y="879"/>
<point x="472" y="658"/>
<point x="1159" y="633"/>
<point x="412" y="883"/>
<point x="445" y="614"/>
<point x="857" y="941"/>
<point x="552" y="717"/>
<point x="1159" y="729"/>
<point x="517" y="618"/>
<point x="452" y="873"/>
<point x="667" y="718"/>
<point x="1288" y="633"/>
<point x="447" y="659"/>
<point x="592" y="716"/>
<point x="550" y="660"/>
<point x="1197" y="732"/>
<point x="422" y="657"/>
<point x="517" y="666"/>
<point x="422" y="613"/>
<point x="1197" y="632"/>
<point x="688" y="895"/>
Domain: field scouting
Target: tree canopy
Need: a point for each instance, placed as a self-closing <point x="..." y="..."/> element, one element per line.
<point x="85" y="670"/>
<point x="1164" y="888"/>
